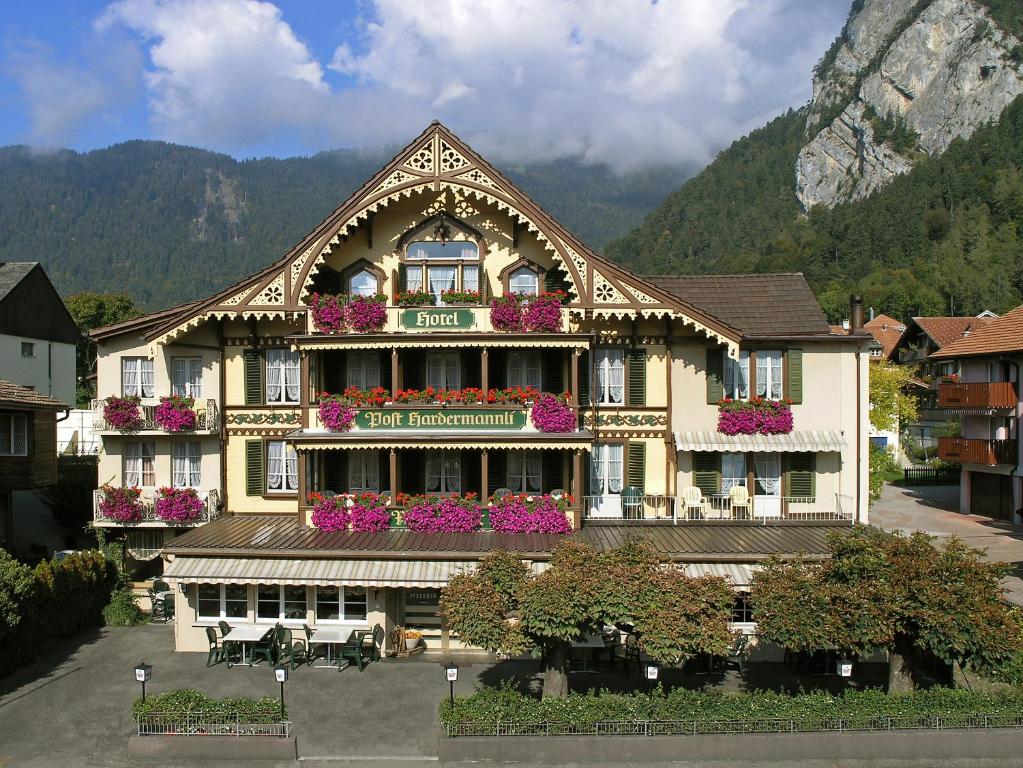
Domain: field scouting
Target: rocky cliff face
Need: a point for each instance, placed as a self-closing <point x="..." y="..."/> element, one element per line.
<point x="905" y="79"/>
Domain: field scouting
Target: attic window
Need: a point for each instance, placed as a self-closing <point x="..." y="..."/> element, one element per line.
<point x="429" y="250"/>
<point x="363" y="283"/>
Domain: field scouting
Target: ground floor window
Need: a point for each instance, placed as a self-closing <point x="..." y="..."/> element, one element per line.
<point x="364" y="471"/>
<point x="742" y="609"/>
<point x="733" y="471"/>
<point x="278" y="602"/>
<point x="341" y="604"/>
<point x="607" y="469"/>
<point x="281" y="468"/>
<point x="525" y="471"/>
<point x="223" y="601"/>
<point x="443" y="472"/>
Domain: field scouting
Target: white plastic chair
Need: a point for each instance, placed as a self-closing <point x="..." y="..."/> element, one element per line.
<point x="739" y="497"/>
<point x="693" y="499"/>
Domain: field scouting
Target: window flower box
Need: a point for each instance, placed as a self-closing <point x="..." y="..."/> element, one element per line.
<point x="520" y="513"/>
<point x="328" y="312"/>
<point x="175" y="414"/>
<point x="123" y="505"/>
<point x="463" y="298"/>
<point x="754" y="416"/>
<point x="418" y="298"/>
<point x="366" y="314"/>
<point x="363" y="513"/>
<point x="123" y="413"/>
<point x="452" y="514"/>
<point x="515" y="312"/>
<point x="340" y="313"/>
<point x="178" y="505"/>
<point x="469" y="396"/>
<point x="552" y="413"/>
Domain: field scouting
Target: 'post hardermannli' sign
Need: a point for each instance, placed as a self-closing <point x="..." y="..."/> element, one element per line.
<point x="438" y="418"/>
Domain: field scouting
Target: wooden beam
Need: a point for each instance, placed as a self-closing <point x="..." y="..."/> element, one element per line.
<point x="395" y="371"/>
<point x="485" y="375"/>
<point x="484" y="474"/>
<point x="577" y="488"/>
<point x="393" y="471"/>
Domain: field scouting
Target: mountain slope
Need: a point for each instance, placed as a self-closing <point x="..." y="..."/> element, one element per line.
<point x="169" y="223"/>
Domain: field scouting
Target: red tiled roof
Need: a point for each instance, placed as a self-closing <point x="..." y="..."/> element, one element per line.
<point x="17" y="396"/>
<point x="995" y="336"/>
<point x="886" y="331"/>
<point x="945" y="330"/>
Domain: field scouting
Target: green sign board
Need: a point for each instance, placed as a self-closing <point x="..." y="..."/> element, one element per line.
<point x="441" y="418"/>
<point x="436" y="319"/>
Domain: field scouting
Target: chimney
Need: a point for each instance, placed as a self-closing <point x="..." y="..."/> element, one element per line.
<point x="856" y="313"/>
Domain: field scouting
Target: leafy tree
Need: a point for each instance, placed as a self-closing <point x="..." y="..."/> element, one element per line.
<point x="94" y="310"/>
<point x="890" y="403"/>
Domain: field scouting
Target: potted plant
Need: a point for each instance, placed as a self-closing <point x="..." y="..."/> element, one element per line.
<point x="543" y="313"/>
<point x="460" y="298"/>
<point x="506" y="312"/>
<point x="336" y="412"/>
<point x="175" y="414"/>
<point x="178" y="505"/>
<point x="552" y="413"/>
<point x="412" y="638"/>
<point x="416" y="298"/>
<point x="328" y="312"/>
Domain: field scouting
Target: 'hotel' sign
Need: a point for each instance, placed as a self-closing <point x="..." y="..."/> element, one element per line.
<point x="436" y="319"/>
<point x="438" y="418"/>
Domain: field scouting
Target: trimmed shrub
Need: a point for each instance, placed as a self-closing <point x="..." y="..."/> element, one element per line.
<point x="186" y="702"/>
<point x="123" y="611"/>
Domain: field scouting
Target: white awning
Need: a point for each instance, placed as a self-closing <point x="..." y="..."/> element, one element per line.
<point x="315" y="572"/>
<point x="740" y="574"/>
<point x="794" y="442"/>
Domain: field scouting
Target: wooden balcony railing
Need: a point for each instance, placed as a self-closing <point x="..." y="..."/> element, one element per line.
<point x="993" y="394"/>
<point x="969" y="450"/>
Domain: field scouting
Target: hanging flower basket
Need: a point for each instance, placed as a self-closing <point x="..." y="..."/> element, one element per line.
<point x="123" y="413"/>
<point x="418" y="298"/>
<point x="175" y="414"/>
<point x="178" y="505"/>
<point x="552" y="413"/>
<point x="124" y="505"/>
<point x="754" y="416"/>
<point x="443" y="515"/>
<point x="336" y="412"/>
<point x="328" y="312"/>
<point x="366" y="314"/>
<point x="530" y="514"/>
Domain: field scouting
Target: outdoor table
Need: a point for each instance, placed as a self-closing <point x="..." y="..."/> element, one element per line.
<point x="329" y="636"/>
<point x="588" y="643"/>
<point x="245" y="634"/>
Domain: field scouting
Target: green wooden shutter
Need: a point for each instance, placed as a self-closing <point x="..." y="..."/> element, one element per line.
<point x="637" y="376"/>
<point x="636" y="471"/>
<point x="795" y="375"/>
<point x="253" y="377"/>
<point x="402" y="278"/>
<point x="255" y="477"/>
<point x="715" y="375"/>
<point x="801" y="475"/>
<point x="583" y="395"/>
<point x="707" y="472"/>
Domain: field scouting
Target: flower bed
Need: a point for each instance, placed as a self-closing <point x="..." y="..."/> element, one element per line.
<point x="123" y="413"/>
<point x="419" y="298"/>
<point x="366" y="314"/>
<point x="754" y="416"/>
<point x="552" y="413"/>
<point x="443" y="515"/>
<point x="515" y="312"/>
<point x="175" y="414"/>
<point x="336" y="412"/>
<point x="365" y="512"/>
<point x="123" y="505"/>
<point x="460" y="297"/>
<point x="178" y="505"/>
<point x="530" y="514"/>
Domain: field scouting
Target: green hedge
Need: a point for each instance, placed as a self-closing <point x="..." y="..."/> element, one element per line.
<point x="186" y="702"/>
<point x="504" y="704"/>
<point x="43" y="605"/>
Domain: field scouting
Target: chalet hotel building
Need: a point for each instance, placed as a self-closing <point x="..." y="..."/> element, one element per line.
<point x="423" y="249"/>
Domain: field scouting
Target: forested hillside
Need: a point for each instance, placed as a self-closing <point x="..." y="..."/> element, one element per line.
<point x="168" y="223"/>
<point x="946" y="237"/>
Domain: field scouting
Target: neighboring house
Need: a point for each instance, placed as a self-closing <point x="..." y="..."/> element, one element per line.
<point x="986" y="400"/>
<point x="28" y="455"/>
<point x="644" y="363"/>
<point x="38" y="338"/>
<point x="885" y="332"/>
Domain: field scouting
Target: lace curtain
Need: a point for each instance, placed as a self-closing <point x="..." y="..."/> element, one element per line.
<point x="524" y="369"/>
<point x="292" y="376"/>
<point x="275" y="466"/>
<point x="187" y="377"/>
<point x="132" y="465"/>
<point x="291" y="469"/>
<point x="274" y="373"/>
<point x="737" y="377"/>
<point x="768" y="470"/>
<point x="363" y="369"/>
<point x="769" y="373"/>
<point x="441" y="279"/>
<point x="606" y="469"/>
<point x="364" y="471"/>
<point x="525" y="471"/>
<point x="733" y="471"/>
<point x="611" y="376"/>
<point x="186" y="465"/>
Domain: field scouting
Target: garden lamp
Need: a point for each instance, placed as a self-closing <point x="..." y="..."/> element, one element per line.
<point x="451" y="672"/>
<point x="281" y="674"/>
<point x="143" y="672"/>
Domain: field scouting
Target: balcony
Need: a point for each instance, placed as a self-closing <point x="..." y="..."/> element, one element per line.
<point x="985" y="395"/>
<point x="210" y="511"/>
<point x="763" y="510"/>
<point x="967" y="450"/>
<point x="206" y="412"/>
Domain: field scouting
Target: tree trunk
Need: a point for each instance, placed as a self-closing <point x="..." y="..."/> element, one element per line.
<point x="900" y="674"/>
<point x="555" y="675"/>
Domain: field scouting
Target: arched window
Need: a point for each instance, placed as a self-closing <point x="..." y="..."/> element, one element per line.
<point x="363" y="283"/>
<point x="524" y="280"/>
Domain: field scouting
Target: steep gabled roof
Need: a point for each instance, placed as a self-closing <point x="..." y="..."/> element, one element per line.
<point x="945" y="330"/>
<point x="886" y="331"/>
<point x="1000" y="335"/>
<point x="436" y="160"/>
<point x="12" y="273"/>
<point x="31" y="307"/>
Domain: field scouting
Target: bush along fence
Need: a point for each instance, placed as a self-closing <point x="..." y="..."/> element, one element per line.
<point x="506" y="712"/>
<point x="43" y="605"/>
<point x="187" y="712"/>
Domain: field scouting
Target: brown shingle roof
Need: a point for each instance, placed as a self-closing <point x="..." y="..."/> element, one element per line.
<point x="997" y="335"/>
<point x="945" y="330"/>
<point x="886" y="331"/>
<point x="17" y="396"/>
<point x="758" y="305"/>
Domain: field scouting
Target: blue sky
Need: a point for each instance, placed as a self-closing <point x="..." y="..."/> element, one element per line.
<point x="628" y="83"/>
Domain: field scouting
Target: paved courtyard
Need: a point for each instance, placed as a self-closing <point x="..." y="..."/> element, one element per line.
<point x="935" y="509"/>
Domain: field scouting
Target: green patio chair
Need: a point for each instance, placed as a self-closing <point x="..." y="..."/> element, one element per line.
<point x="632" y="503"/>
<point x="216" y="654"/>
<point x="265" y="648"/>
<point x="232" y="650"/>
<point x="352" y="652"/>
<point x="310" y="647"/>
<point x="289" y="650"/>
<point x="374" y="643"/>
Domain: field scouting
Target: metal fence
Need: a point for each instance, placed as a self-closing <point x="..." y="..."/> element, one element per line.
<point x="703" y="727"/>
<point x="157" y="724"/>
<point x="761" y="510"/>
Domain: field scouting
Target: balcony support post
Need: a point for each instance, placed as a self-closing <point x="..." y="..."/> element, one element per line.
<point x="392" y="464"/>
<point x="574" y="390"/>
<point x="485" y="375"/>
<point x="395" y="372"/>
<point x="303" y="491"/>
<point x="577" y="488"/>
<point x="484" y="475"/>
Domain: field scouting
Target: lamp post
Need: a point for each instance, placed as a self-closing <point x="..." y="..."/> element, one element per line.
<point x="143" y="672"/>
<point x="281" y="674"/>
<point x="652" y="671"/>
<point x="451" y="672"/>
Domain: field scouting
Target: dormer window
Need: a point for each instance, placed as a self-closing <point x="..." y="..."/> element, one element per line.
<point x="442" y="266"/>
<point x="524" y="281"/>
<point x="363" y="283"/>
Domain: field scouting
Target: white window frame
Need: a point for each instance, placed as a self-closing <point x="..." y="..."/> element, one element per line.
<point x="444" y="369"/>
<point x="286" y="479"/>
<point x="736" y="377"/>
<point x="445" y="468"/>
<point x="610" y="378"/>
<point x="362" y="291"/>
<point x="280" y="600"/>
<point x="186" y="464"/>
<point x="343" y="597"/>
<point x="525" y="369"/>
<point x="137" y="377"/>
<point x="524" y="472"/>
<point x="770" y="375"/>
<point x="282" y="365"/>
<point x="186" y="376"/>
<point x="607" y="469"/>
<point x="363" y="368"/>
<point x="730" y="462"/>
<point x="146" y="449"/>
<point x="364" y="472"/>
<point x="524" y="281"/>
<point x="222" y="601"/>
<point x="11" y="437"/>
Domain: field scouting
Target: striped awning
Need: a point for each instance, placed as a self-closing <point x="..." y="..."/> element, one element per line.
<point x="794" y="442"/>
<point x="315" y="572"/>
<point x="739" y="574"/>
